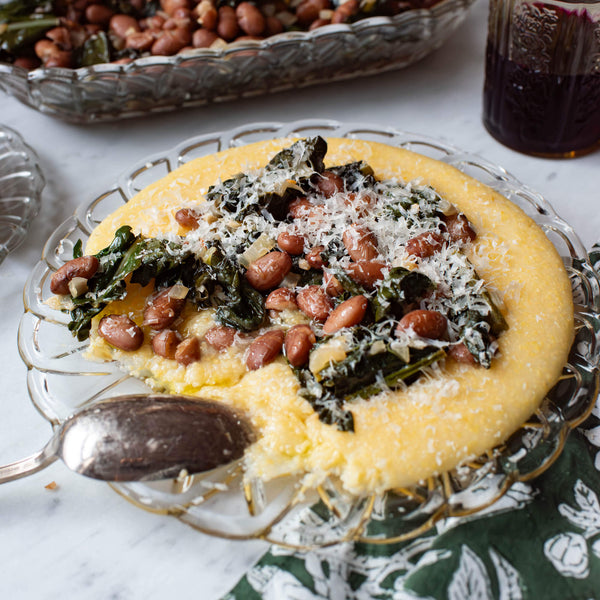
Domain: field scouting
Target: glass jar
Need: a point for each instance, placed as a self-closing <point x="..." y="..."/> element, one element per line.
<point x="542" y="83"/>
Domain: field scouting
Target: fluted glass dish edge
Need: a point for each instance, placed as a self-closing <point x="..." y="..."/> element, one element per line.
<point x="287" y="511"/>
<point x="21" y="185"/>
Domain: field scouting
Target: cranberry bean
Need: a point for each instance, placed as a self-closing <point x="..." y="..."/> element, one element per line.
<point x="62" y="59"/>
<point x="269" y="270"/>
<point x="332" y="285"/>
<point x="348" y="313"/>
<point x="121" y="332"/>
<point x="328" y="183"/>
<point x="123" y="25"/>
<point x="291" y="243"/>
<point x="264" y="349"/>
<point x="361" y="203"/>
<point x="206" y="15"/>
<point x="299" y="341"/>
<point x="92" y="29"/>
<point x="27" y="62"/>
<point x="301" y="208"/>
<point x="250" y="19"/>
<point x="171" y="42"/>
<point x="220" y="337"/>
<point x="84" y="266"/>
<point x="183" y="14"/>
<point x="318" y="23"/>
<point x="314" y="302"/>
<point x="187" y="217"/>
<point x="188" y="351"/>
<point x="170" y="6"/>
<point x="172" y="23"/>
<point x="425" y="323"/>
<point x="344" y="11"/>
<point x="154" y="23"/>
<point x="425" y="244"/>
<point x="203" y="38"/>
<point x="61" y="37"/>
<point x="164" y="308"/>
<point x="308" y="10"/>
<point x="45" y="48"/>
<point x="97" y="14"/>
<point x="280" y="299"/>
<point x="165" y="343"/>
<point x="460" y="353"/>
<point x="139" y="40"/>
<point x="51" y="55"/>
<point x="459" y="229"/>
<point x="273" y="26"/>
<point x="360" y="243"/>
<point x="366" y="272"/>
<point x="227" y="25"/>
<point x="314" y="258"/>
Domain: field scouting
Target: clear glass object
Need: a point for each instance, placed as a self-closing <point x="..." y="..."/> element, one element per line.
<point x="21" y="184"/>
<point x="542" y="85"/>
<point x="243" y="69"/>
<point x="285" y="511"/>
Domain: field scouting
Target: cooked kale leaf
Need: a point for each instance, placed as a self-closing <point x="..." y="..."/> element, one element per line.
<point x="399" y="288"/>
<point x="242" y="306"/>
<point x="303" y="157"/>
<point x="275" y="186"/>
<point x="370" y="365"/>
<point x="356" y="175"/>
<point x="217" y="283"/>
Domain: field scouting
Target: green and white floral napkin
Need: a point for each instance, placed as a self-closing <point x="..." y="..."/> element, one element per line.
<point x="541" y="541"/>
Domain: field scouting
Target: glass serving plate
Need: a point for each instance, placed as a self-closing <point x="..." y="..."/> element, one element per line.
<point x="285" y="511"/>
<point x="21" y="184"/>
<point x="241" y="69"/>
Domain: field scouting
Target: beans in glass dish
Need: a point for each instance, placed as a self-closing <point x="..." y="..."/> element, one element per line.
<point x="82" y="33"/>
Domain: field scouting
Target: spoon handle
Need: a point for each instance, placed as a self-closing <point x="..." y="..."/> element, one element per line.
<point x="27" y="466"/>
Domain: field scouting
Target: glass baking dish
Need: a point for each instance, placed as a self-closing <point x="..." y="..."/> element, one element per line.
<point x="241" y="69"/>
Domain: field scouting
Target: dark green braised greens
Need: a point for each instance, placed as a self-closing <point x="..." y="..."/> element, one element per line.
<point x="361" y="283"/>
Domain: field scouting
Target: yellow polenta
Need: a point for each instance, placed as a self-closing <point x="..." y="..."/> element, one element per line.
<point x="400" y="437"/>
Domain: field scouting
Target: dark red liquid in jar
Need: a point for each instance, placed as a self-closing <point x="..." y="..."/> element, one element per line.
<point x="538" y="111"/>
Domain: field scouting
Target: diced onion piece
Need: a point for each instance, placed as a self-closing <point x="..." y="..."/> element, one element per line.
<point x="78" y="286"/>
<point x="291" y="280"/>
<point x="257" y="249"/>
<point x="179" y="292"/>
<point x="402" y="351"/>
<point x="447" y="208"/>
<point x="207" y="254"/>
<point x="377" y="348"/>
<point x="332" y="351"/>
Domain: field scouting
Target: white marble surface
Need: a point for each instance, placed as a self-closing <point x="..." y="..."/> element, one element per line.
<point x="81" y="540"/>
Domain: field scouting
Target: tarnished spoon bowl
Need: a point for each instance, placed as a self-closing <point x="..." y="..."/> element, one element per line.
<point x="142" y="438"/>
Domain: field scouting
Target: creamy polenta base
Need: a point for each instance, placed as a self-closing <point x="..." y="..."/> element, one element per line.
<point x="454" y="413"/>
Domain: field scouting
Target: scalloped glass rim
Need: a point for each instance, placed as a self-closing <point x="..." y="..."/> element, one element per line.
<point x="286" y="511"/>
<point x="241" y="69"/>
<point x="21" y="184"/>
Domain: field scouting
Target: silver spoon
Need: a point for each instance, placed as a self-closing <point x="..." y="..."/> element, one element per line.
<point x="142" y="438"/>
